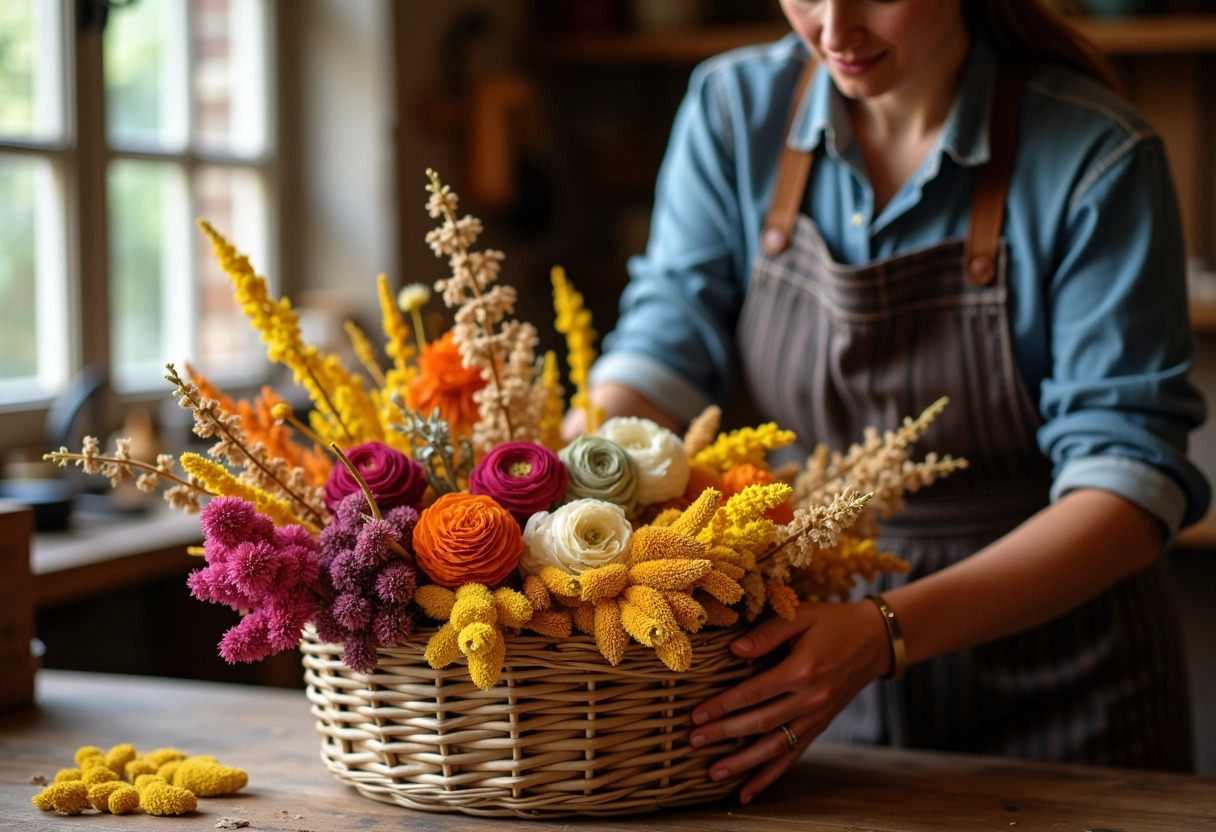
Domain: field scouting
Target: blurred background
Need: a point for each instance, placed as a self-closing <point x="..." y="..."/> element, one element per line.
<point x="301" y="129"/>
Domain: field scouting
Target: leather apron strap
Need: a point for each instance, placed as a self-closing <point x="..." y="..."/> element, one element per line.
<point x="793" y="168"/>
<point x="987" y="199"/>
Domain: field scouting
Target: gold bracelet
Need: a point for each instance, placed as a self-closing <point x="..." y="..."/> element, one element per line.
<point x="899" y="652"/>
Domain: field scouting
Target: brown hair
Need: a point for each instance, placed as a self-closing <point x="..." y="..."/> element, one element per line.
<point x="1023" y="31"/>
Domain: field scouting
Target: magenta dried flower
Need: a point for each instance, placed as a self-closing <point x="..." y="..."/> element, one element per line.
<point x="522" y="477"/>
<point x="394" y="478"/>
<point x="228" y="521"/>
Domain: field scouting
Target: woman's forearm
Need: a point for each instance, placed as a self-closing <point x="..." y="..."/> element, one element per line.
<point x="1056" y="560"/>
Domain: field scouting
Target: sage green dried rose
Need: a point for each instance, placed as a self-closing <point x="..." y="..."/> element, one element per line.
<point x="600" y="469"/>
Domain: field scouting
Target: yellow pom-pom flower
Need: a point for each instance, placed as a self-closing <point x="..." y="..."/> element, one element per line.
<point x="208" y="778"/>
<point x="69" y="797"/>
<point x="156" y="797"/>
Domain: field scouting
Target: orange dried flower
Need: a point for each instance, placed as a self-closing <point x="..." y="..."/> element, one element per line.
<point x="465" y="538"/>
<point x="444" y="382"/>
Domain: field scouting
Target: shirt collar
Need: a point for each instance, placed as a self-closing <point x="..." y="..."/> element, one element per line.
<point x="822" y="120"/>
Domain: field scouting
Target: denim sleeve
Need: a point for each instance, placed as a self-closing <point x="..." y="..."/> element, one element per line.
<point x="674" y="339"/>
<point x="1118" y="404"/>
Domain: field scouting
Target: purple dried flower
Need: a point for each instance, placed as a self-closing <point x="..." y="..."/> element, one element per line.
<point x="396" y="582"/>
<point x="374" y="540"/>
<point x="394" y="478"/>
<point x="359" y="652"/>
<point x="391" y="624"/>
<point x="522" y="477"/>
<point x="328" y="630"/>
<point x="352" y="611"/>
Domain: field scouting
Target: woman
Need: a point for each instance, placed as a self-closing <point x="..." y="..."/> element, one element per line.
<point x="958" y="204"/>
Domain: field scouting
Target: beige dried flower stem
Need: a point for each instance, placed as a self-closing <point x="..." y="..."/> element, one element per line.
<point x="907" y="433"/>
<point x="190" y="393"/>
<point x="62" y="457"/>
<point x="367" y="492"/>
<point x="451" y="219"/>
<point x="857" y="503"/>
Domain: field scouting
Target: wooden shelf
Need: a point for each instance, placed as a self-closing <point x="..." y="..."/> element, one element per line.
<point x="1147" y="35"/>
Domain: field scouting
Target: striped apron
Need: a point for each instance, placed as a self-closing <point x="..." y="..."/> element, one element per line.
<point x="828" y="349"/>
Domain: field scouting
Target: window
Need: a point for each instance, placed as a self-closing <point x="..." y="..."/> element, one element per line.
<point x="99" y="257"/>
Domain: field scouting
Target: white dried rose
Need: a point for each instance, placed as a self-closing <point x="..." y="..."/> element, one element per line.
<point x="574" y="538"/>
<point x="657" y="453"/>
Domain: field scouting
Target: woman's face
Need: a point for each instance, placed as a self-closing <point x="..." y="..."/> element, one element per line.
<point x="872" y="46"/>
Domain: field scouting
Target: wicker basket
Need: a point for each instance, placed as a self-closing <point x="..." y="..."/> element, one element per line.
<point x="562" y="733"/>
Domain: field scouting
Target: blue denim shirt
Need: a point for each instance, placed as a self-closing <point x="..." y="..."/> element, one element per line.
<point x="1096" y="258"/>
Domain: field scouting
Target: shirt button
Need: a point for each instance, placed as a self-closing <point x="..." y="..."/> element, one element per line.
<point x="858" y="219"/>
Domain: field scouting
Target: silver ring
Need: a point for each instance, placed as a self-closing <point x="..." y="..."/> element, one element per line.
<point x="791" y="738"/>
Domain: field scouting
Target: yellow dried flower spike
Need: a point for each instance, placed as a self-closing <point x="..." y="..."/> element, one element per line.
<point x="584" y="618"/>
<point x="669" y="573"/>
<point x="675" y="652"/>
<point x="474" y="603"/>
<point x="644" y="629"/>
<point x="653" y="543"/>
<point x="65" y="775"/>
<point x="68" y="797"/>
<point x="690" y="615"/>
<point x="513" y="607"/>
<point x="443" y="647"/>
<point x="485" y="665"/>
<point x="559" y="582"/>
<point x="727" y="590"/>
<point x="160" y="756"/>
<point x="557" y="624"/>
<point x="602" y="582"/>
<point x="697" y="516"/>
<point x="717" y="614"/>
<point x="536" y="592"/>
<point x="651" y="602"/>
<point x="610" y="635"/>
<point x="436" y="601"/>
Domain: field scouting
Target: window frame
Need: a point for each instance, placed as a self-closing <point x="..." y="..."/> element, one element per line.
<point x="81" y="157"/>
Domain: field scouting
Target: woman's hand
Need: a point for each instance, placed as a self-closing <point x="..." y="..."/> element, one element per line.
<point x="836" y="649"/>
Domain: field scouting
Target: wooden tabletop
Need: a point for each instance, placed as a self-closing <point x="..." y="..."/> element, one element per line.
<point x="270" y="734"/>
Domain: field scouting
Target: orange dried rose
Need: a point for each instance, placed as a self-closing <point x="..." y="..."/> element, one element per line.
<point x="444" y="382"/>
<point x="738" y="477"/>
<point x="465" y="538"/>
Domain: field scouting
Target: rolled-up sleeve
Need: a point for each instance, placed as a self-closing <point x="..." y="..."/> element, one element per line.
<point x="1118" y="403"/>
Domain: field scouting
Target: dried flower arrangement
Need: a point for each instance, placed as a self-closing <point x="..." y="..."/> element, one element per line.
<point x="455" y="503"/>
